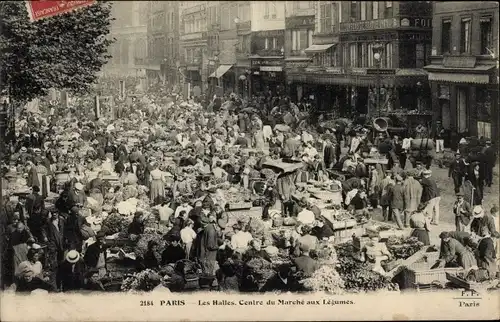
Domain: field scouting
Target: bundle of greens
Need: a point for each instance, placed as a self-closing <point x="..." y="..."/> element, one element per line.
<point x="325" y="279"/>
<point x="358" y="276"/>
<point x="403" y="247"/>
<point x="114" y="223"/>
<point x="145" y="281"/>
<point x="142" y="244"/>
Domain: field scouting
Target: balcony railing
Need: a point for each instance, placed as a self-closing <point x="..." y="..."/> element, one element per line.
<point x="269" y="52"/>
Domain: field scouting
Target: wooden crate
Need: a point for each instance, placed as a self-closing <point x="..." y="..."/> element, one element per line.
<point x="469" y="285"/>
<point x="420" y="272"/>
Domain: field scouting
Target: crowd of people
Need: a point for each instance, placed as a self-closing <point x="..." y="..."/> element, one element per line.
<point x="179" y="154"/>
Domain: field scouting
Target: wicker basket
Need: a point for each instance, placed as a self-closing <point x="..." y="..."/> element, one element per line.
<point x="420" y="272"/>
<point x="277" y="222"/>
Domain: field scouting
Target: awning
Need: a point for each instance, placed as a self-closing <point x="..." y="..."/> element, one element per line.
<point x="221" y="70"/>
<point x="318" y="48"/>
<point x="460" y="78"/>
<point x="476" y="69"/>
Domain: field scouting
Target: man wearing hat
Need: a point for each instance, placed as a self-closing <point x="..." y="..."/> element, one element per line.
<point x="71" y="272"/>
<point x="95" y="255"/>
<point x="457" y="171"/>
<point x="489" y="162"/>
<point x="76" y="195"/>
<point x="430" y="195"/>
<point x="482" y="220"/>
<point x="463" y="213"/>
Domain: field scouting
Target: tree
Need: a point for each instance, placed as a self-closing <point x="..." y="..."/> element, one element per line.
<point x="62" y="52"/>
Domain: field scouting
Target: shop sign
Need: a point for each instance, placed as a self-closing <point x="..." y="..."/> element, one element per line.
<point x="334" y="70"/>
<point x="266" y="62"/>
<point x="369" y="25"/>
<point x="375" y="71"/>
<point x="270" y="33"/>
<point x="357" y="71"/>
<point x="271" y="68"/>
<point x="193" y="36"/>
<point x="459" y="61"/>
<point x="416" y="22"/>
<point x="193" y="68"/>
<point x="300" y="21"/>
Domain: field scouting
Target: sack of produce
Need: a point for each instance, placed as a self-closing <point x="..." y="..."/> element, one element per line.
<point x="277" y="222"/>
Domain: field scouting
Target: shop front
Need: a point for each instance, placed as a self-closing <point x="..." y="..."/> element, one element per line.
<point x="267" y="75"/>
<point x="465" y="102"/>
<point x="223" y="77"/>
<point x="195" y="80"/>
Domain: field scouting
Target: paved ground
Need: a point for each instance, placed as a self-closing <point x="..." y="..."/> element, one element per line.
<point x="447" y="218"/>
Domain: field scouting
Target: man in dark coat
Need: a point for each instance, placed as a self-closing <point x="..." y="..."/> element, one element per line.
<point x="282" y="281"/>
<point x="73" y="229"/>
<point x="95" y="255"/>
<point x="430" y="195"/>
<point x="55" y="244"/>
<point x="304" y="262"/>
<point x="489" y="163"/>
<point x="457" y="171"/>
<point x="463" y="212"/>
<point x="36" y="209"/>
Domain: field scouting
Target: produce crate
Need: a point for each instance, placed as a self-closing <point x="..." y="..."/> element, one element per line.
<point x="428" y="288"/>
<point x="469" y="285"/>
<point x="360" y="242"/>
<point x="239" y="206"/>
<point x="420" y="272"/>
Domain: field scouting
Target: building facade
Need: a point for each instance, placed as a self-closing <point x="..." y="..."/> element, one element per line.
<point x="267" y="47"/>
<point x="368" y="57"/>
<point x="194" y="62"/>
<point x="163" y="42"/>
<point x="299" y="30"/>
<point x="130" y="31"/>
<point x="464" y="67"/>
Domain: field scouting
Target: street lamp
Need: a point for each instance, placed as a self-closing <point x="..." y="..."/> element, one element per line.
<point x="377" y="49"/>
<point x="236" y="20"/>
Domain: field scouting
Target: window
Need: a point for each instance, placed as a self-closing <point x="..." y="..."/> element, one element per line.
<point x="359" y="50"/>
<point x="486" y="35"/>
<point x="301" y="39"/>
<point x="465" y="35"/>
<point x="225" y="23"/>
<point x="233" y="13"/>
<point x="388" y="55"/>
<point x="388" y="13"/>
<point x="375" y="10"/>
<point x="275" y="43"/>
<point x="345" y="55"/>
<point x="445" y="37"/>
<point x="266" y="44"/>
<point x="420" y="55"/>
<point x="354" y="11"/>
<point x="363" y="10"/>
<point x="213" y="15"/>
<point x="325" y="17"/>
<point x="272" y="9"/>
<point x="244" y="12"/>
<point x="353" y="56"/>
<point x="371" y="62"/>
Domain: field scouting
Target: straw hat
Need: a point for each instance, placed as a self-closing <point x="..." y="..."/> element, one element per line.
<point x="478" y="211"/>
<point x="72" y="256"/>
<point x="78" y="186"/>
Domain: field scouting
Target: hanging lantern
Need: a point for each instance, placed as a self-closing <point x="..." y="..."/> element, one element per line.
<point x="243" y="77"/>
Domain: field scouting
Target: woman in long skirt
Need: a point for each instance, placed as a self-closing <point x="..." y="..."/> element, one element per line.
<point x="157" y="186"/>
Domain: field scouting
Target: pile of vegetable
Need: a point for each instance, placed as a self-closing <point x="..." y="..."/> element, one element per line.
<point x="325" y="279"/>
<point x="142" y="244"/>
<point x="145" y="281"/>
<point x="358" y="276"/>
<point x="326" y="253"/>
<point x="403" y="247"/>
<point x="114" y="223"/>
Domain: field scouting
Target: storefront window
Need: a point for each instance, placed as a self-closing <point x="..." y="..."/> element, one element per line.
<point x="483" y="99"/>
